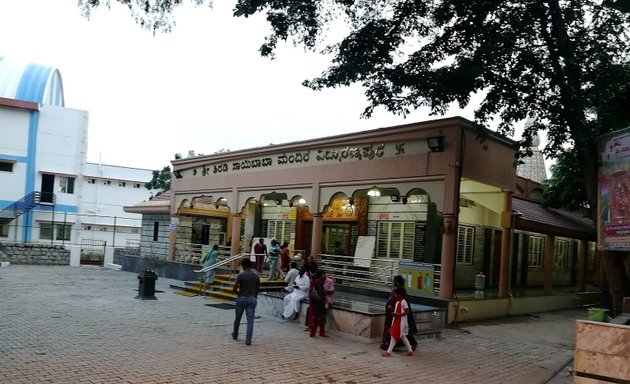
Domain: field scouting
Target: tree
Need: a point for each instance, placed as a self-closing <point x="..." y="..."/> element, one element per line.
<point x="161" y="181"/>
<point x="565" y="188"/>
<point x="550" y="60"/>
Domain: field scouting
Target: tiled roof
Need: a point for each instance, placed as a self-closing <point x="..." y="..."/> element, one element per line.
<point x="158" y="204"/>
<point x="549" y="218"/>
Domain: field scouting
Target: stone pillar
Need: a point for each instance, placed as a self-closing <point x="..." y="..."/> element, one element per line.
<point x="172" y="239"/>
<point x="549" y="248"/>
<point x="316" y="239"/>
<point x="235" y="248"/>
<point x="582" y="266"/>
<point x="506" y="225"/>
<point x="449" y="245"/>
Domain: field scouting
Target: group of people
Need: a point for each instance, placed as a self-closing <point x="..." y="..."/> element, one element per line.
<point x="312" y="284"/>
<point x="309" y="282"/>
<point x="276" y="255"/>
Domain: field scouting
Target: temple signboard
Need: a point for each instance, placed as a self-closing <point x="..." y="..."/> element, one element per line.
<point x="309" y="157"/>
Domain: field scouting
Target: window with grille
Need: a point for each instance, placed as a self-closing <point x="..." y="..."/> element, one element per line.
<point x="561" y="253"/>
<point x="66" y="185"/>
<point x="395" y="240"/>
<point x="4" y="230"/>
<point x="279" y="229"/>
<point x="45" y="231"/>
<point x="63" y="232"/>
<point x="536" y="251"/>
<point x="465" y="244"/>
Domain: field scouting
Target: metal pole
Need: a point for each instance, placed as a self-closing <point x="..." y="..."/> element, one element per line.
<point x="63" y="239"/>
<point x="53" y="224"/>
<point x="114" y="234"/>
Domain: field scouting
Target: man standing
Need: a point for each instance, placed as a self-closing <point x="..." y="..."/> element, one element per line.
<point x="246" y="288"/>
<point x="260" y="251"/>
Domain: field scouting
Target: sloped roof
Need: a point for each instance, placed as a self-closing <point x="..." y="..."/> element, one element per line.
<point x="158" y="204"/>
<point x="532" y="216"/>
<point x="30" y="82"/>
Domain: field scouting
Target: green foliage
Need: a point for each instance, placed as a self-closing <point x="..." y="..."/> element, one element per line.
<point x="565" y="189"/>
<point x="161" y="181"/>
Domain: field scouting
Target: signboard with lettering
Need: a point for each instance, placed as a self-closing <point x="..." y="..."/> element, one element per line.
<point x="319" y="156"/>
<point x="419" y="240"/>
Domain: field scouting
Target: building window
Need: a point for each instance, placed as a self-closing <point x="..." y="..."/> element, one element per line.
<point x="536" y="251"/>
<point x="465" y="243"/>
<point x="108" y="182"/>
<point x="91" y="181"/>
<point x="63" y="232"/>
<point x="395" y="240"/>
<point x="561" y="253"/>
<point x="136" y="185"/>
<point x="66" y="185"/>
<point x="6" y="166"/>
<point x="45" y="231"/>
<point x="279" y="230"/>
<point x="4" y="230"/>
<point x="156" y="230"/>
<point x="122" y="184"/>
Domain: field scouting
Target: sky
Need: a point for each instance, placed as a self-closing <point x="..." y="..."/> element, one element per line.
<point x="202" y="87"/>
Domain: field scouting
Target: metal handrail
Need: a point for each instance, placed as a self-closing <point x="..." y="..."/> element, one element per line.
<point x="376" y="274"/>
<point x="221" y="263"/>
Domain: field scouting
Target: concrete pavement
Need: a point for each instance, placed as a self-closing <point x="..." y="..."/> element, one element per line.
<point x="83" y="325"/>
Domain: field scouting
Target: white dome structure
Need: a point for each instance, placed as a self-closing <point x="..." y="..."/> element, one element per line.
<point x="30" y="82"/>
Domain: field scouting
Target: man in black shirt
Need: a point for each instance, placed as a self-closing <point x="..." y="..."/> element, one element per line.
<point x="246" y="287"/>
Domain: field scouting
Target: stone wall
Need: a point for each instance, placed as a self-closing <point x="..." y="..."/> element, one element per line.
<point x="34" y="254"/>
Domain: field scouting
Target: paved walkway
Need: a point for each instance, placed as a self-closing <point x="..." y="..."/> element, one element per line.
<point x="83" y="325"/>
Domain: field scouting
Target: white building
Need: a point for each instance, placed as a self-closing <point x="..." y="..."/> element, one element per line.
<point x="48" y="191"/>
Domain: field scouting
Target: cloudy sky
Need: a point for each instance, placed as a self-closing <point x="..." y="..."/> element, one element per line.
<point x="202" y="87"/>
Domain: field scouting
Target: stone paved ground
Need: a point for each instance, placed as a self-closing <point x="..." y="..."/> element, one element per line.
<point x="83" y="325"/>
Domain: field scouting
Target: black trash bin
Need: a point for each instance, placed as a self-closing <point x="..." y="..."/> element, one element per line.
<point x="146" y="285"/>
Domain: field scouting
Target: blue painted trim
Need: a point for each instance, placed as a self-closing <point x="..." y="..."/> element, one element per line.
<point x="31" y="154"/>
<point x="58" y="208"/>
<point x="33" y="83"/>
<point x="31" y="157"/>
<point x="19" y="159"/>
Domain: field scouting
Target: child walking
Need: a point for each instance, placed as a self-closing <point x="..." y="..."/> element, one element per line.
<point x="399" y="328"/>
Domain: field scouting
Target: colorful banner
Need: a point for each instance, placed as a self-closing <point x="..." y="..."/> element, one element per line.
<point x="614" y="191"/>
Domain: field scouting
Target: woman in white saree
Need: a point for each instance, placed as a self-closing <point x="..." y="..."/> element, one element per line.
<point x="300" y="292"/>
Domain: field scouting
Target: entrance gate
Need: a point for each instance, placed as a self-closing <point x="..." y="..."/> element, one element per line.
<point x="93" y="251"/>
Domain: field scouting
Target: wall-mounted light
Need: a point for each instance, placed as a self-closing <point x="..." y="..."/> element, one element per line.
<point x="436" y="144"/>
<point x="374" y="192"/>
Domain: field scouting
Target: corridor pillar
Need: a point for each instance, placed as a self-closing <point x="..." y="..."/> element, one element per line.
<point x="316" y="238"/>
<point x="582" y="266"/>
<point x="506" y="236"/>
<point x="235" y="248"/>
<point x="548" y="274"/>
<point x="449" y="245"/>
